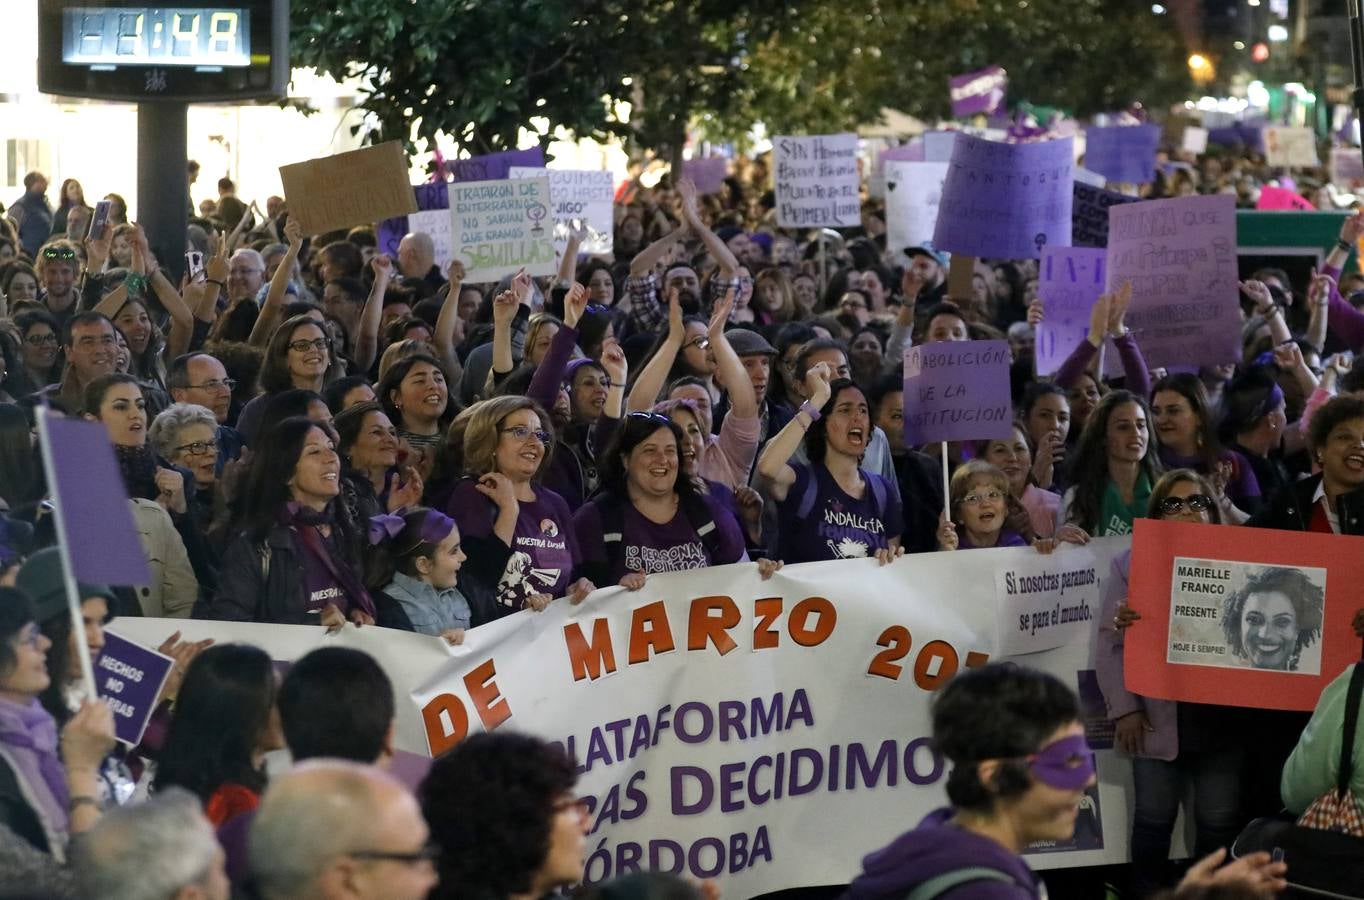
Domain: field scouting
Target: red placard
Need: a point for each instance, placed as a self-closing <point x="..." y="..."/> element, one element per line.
<point x="1241" y="617"/>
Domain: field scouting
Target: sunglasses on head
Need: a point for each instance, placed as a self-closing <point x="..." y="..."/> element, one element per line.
<point x="58" y="253"/>
<point x="1171" y="506"/>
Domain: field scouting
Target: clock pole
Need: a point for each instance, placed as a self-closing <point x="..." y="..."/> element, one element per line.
<point x="162" y="182"/>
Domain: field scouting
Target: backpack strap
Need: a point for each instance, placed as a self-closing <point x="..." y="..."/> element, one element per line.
<point x="697" y="511"/>
<point x="941" y="884"/>
<point x="611" y="509"/>
<point x="1348" y="730"/>
<point x="878" y="492"/>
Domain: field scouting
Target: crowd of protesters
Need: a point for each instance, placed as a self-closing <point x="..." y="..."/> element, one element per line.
<point x="312" y="432"/>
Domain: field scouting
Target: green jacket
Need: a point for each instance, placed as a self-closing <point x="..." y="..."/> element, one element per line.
<point x="1314" y="765"/>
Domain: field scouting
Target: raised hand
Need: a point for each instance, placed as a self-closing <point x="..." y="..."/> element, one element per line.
<point x="613" y="361"/>
<point x="505" y="306"/>
<point x="1352" y="229"/>
<point x="1320" y="288"/>
<point x="677" y="329"/>
<point x="382" y="264"/>
<point x="1117" y="309"/>
<point x="1258" y="292"/>
<point x="1288" y="357"/>
<point x="1035" y="312"/>
<point x="720" y="315"/>
<point x="521" y="286"/>
<point x="1098" y="319"/>
<point x="293" y="233"/>
<point x="455" y="275"/>
<point x="817" y="384"/>
<point x="575" y="304"/>
<point x="216" y="267"/>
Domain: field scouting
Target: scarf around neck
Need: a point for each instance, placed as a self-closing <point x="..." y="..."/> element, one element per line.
<point x="304" y="522"/>
<point x="29" y="736"/>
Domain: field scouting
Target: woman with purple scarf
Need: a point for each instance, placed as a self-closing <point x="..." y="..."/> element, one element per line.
<point x="44" y="797"/>
<point x="296" y="560"/>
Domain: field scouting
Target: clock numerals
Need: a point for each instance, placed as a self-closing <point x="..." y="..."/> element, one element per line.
<point x="222" y="31"/>
<point x="185" y="34"/>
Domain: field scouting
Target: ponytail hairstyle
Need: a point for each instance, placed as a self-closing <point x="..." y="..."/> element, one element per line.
<point x="400" y="538"/>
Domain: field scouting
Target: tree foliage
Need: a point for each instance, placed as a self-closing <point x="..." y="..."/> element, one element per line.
<point x="481" y="70"/>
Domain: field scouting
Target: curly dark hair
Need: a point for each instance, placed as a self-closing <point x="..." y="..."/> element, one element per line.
<point x="1332" y="413"/>
<point x="490" y="804"/>
<point x="1308" y="602"/>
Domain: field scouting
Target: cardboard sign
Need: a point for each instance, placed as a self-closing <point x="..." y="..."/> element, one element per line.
<point x="979" y="92"/>
<point x="1347" y="166"/>
<point x="129" y="677"/>
<point x="913" y="192"/>
<point x="817" y="181"/>
<point x="1125" y="153"/>
<point x="1180" y="256"/>
<point x="1195" y="139"/>
<point x="1069" y="280"/>
<point x="1089" y="214"/>
<point x="1293" y="148"/>
<point x="355" y="188"/>
<point x="707" y="174"/>
<point x="94" y="519"/>
<point x="578" y="196"/>
<point x="497" y="227"/>
<point x="1262" y="622"/>
<point x="957" y="391"/>
<point x="1006" y="200"/>
<point x="494" y="166"/>
<point x="1277" y="198"/>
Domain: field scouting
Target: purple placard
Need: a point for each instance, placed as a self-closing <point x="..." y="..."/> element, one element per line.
<point x="976" y="92"/>
<point x="432" y="195"/>
<point x="912" y="151"/>
<point x="129" y="677"/>
<point x="707" y="174"/>
<point x="96" y="521"/>
<point x="1089" y="214"/>
<point x="1005" y="201"/>
<point x="494" y="166"/>
<point x="957" y="391"/>
<point x="1180" y="256"/>
<point x="1124" y="153"/>
<point x="1069" y="280"/>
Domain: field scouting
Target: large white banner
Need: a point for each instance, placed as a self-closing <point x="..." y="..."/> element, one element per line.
<point x="767" y="734"/>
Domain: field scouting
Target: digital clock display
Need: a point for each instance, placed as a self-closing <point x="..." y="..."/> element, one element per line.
<point x="200" y="37"/>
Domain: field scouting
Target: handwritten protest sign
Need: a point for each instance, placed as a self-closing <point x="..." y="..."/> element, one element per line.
<point x="1125" y="153"/>
<point x="1290" y="147"/>
<point x="499" y="226"/>
<point x="93" y="519"/>
<point x="578" y="196"/>
<point x="1277" y="198"/>
<point x="1195" y="139"/>
<point x="1005" y="200"/>
<point x="817" y="181"/>
<point x="707" y="174"/>
<point x="1180" y="256"/>
<point x="353" y="188"/>
<point x="1046" y="602"/>
<point x="1069" y="280"/>
<point x="978" y="92"/>
<point x="1262" y="623"/>
<point x="436" y="223"/>
<point x="1347" y="166"/>
<point x="494" y="166"/>
<point x="129" y="677"/>
<point x="913" y="191"/>
<point x="957" y="391"/>
<point x="1089" y="214"/>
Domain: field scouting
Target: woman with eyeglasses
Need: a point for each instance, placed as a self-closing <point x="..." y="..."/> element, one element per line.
<point x="186" y="436"/>
<point x="831" y="508"/>
<point x="1174" y="746"/>
<point x="296" y="559"/>
<point x="49" y="781"/>
<point x="159" y="494"/>
<point x="40" y="347"/>
<point x="651" y="515"/>
<point x="502" y="508"/>
<point x="1114" y="468"/>
<point x="298" y="356"/>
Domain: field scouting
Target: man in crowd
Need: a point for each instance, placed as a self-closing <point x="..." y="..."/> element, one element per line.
<point x="245" y="275"/>
<point x="58" y="266"/>
<point x="417" y="263"/>
<point x="200" y="378"/>
<point x="334" y="830"/>
<point x="163" y="849"/>
<point x="91" y="347"/>
<point x="32" y="213"/>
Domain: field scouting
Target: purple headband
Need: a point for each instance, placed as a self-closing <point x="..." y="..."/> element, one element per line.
<point x="1270" y="403"/>
<point x="435" y="527"/>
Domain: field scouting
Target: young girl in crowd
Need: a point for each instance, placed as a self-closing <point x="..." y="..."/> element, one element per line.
<point x="988" y="515"/>
<point x="417" y="573"/>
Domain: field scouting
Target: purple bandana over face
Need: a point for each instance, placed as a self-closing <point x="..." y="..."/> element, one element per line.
<point x="1067" y="764"/>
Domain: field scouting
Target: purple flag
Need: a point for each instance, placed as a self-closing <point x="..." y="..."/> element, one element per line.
<point x="707" y="174"/>
<point x="957" y="391"/>
<point x="1069" y="280"/>
<point x="432" y="195"/>
<point x="1005" y="201"/>
<point x="1124" y="153"/>
<point x="93" y="516"/>
<point x="129" y="677"/>
<point x="1089" y="214"/>
<point x="1180" y="256"/>
<point x="494" y="166"/>
<point x="978" y="92"/>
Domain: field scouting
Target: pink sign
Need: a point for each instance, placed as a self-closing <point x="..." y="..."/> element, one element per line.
<point x="1277" y="198"/>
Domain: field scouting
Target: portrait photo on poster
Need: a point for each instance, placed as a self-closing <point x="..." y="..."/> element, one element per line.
<point x="1246" y="615"/>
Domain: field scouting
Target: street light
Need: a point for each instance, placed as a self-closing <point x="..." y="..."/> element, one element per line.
<point x="1200" y="67"/>
<point x="1277" y="33"/>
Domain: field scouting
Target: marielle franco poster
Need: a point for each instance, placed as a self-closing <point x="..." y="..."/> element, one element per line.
<point x="1262" y="622"/>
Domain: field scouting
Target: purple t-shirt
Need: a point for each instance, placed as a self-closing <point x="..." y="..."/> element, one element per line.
<point x="650" y="547"/>
<point x="544" y="549"/>
<point x="818" y="520"/>
<point x="1007" y="538"/>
